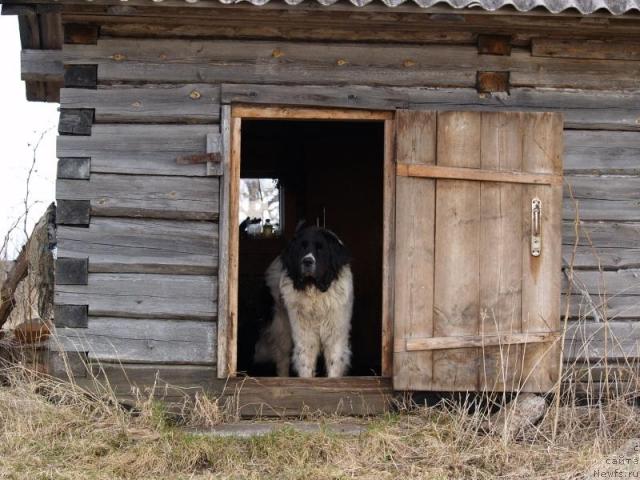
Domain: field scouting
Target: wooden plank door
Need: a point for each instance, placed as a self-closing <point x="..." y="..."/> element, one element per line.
<point x="477" y="259"/>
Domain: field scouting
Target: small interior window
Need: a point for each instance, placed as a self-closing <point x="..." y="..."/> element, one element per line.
<point x="260" y="207"/>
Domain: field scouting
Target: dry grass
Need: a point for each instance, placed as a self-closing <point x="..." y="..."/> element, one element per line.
<point x="51" y="429"/>
<point x="57" y="430"/>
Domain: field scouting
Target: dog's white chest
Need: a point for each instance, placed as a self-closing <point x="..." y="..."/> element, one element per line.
<point x="314" y="307"/>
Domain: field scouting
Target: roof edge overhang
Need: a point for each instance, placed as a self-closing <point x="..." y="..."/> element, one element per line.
<point x="41" y="20"/>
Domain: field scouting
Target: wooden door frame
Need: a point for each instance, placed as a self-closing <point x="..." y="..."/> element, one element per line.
<point x="231" y="129"/>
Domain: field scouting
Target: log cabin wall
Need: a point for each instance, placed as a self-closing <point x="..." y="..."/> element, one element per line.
<point x="157" y="78"/>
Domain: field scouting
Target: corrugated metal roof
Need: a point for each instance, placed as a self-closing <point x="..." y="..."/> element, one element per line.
<point x="616" y="7"/>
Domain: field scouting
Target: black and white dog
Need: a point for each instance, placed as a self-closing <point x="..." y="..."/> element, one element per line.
<point x="312" y="289"/>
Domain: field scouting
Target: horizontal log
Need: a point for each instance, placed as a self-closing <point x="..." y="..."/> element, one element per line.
<point x="140" y="149"/>
<point x="600" y="306"/>
<point x="527" y="70"/>
<point x="144" y="341"/>
<point x="600" y="257"/>
<point x="179" y="198"/>
<point x="602" y="197"/>
<point x="143" y="246"/>
<point x="217" y="28"/>
<point x="601" y="245"/>
<point x="187" y="297"/>
<point x="583" y="109"/>
<point x="472" y="174"/>
<point x="287" y="62"/>
<point x="196" y="103"/>
<point x="159" y="380"/>
<point x="616" y="282"/>
<point x="602" y="234"/>
<point x="595" y="341"/>
<point x="41" y="65"/>
<point x="602" y="152"/>
<point x="248" y="396"/>
<point x="293" y="396"/>
<point x="247" y="61"/>
<point x="582" y="48"/>
<point x="522" y="25"/>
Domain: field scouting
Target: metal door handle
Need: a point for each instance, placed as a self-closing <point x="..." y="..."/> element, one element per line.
<point x="536" y="227"/>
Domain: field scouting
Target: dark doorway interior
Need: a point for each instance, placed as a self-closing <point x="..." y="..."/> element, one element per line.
<point x="329" y="173"/>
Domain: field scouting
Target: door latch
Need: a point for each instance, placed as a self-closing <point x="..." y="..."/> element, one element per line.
<point x="536" y="228"/>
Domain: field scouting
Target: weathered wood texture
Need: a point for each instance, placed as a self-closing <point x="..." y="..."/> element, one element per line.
<point x="75" y="121"/>
<point x="186" y="61"/>
<point x="285" y="396"/>
<point x="522" y="26"/>
<point x="133" y="27"/>
<point x="587" y="49"/>
<point x="270" y="397"/>
<point x="41" y="65"/>
<point x="478" y="277"/>
<point x="140" y="149"/>
<point x="224" y="238"/>
<point x="605" y="245"/>
<point x="144" y="296"/>
<point x="73" y="212"/>
<point x="80" y="34"/>
<point x="197" y="103"/>
<point x="71" y="271"/>
<point x="182" y="198"/>
<point x="590" y="341"/>
<point x="72" y="316"/>
<point x="139" y="340"/>
<point x="184" y="82"/>
<point x="457" y="275"/>
<point x="606" y="109"/>
<point x="81" y="76"/>
<point x="77" y="168"/>
<point x="143" y="246"/>
<point x="602" y="197"/>
<point x="414" y="253"/>
<point x="602" y="152"/>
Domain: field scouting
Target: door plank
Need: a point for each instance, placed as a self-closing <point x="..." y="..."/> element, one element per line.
<point x="500" y="250"/>
<point x="413" y="299"/>
<point x="542" y="153"/>
<point x="457" y="246"/>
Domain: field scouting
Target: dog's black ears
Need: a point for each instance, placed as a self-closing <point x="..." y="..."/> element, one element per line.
<point x="340" y="256"/>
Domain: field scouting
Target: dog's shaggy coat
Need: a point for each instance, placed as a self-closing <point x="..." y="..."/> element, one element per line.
<point x="312" y="309"/>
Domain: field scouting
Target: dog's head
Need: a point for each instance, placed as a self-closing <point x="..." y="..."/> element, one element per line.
<point x="315" y="256"/>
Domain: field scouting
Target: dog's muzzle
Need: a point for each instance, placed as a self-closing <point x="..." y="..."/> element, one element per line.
<point x="308" y="265"/>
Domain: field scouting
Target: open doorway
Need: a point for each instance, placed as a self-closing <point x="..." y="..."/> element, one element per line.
<point x="328" y="173"/>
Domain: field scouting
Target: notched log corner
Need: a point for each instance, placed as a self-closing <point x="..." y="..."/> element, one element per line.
<point x="73" y="212"/>
<point x="72" y="271"/>
<point x="71" y="316"/>
<point x="492" y="82"/>
<point x="76" y="121"/>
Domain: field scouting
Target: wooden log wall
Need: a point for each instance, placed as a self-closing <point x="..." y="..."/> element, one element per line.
<point x="151" y="242"/>
<point x="138" y="226"/>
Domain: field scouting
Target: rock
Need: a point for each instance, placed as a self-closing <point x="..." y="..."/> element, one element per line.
<point x="521" y="413"/>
